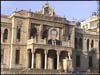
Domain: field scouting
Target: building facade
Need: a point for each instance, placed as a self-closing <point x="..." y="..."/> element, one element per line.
<point x="40" y="40"/>
<point x="44" y="40"/>
<point x="87" y="43"/>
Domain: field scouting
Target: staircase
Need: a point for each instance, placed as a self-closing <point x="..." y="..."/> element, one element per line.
<point x="29" y="71"/>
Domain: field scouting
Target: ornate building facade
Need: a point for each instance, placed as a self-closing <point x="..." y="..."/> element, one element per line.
<point x="87" y="43"/>
<point x="44" y="40"/>
<point x="37" y="40"/>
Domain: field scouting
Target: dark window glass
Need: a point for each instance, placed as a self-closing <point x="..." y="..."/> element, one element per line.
<point x="50" y="41"/>
<point x="17" y="56"/>
<point x="76" y="43"/>
<point x="92" y="43"/>
<point x="44" y="33"/>
<point x="18" y="34"/>
<point x="87" y="44"/>
<point x="5" y="35"/>
<point x="29" y="58"/>
<point x="69" y="36"/>
<point x="33" y="31"/>
<point x="77" y="60"/>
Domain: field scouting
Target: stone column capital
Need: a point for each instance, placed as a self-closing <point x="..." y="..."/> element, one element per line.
<point x="45" y="51"/>
<point x="58" y="52"/>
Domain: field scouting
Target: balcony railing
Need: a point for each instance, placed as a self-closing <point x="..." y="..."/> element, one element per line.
<point x="44" y="42"/>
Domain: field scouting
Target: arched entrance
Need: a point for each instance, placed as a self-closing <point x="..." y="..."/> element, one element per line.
<point x="39" y="59"/>
<point x="63" y="60"/>
<point x="52" y="59"/>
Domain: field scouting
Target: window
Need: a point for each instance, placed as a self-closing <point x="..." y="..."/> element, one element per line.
<point x="50" y="41"/>
<point x="88" y="44"/>
<point x="45" y="33"/>
<point x="18" y="34"/>
<point x="58" y="42"/>
<point x="33" y="31"/>
<point x="5" y="35"/>
<point x="80" y="43"/>
<point x="69" y="36"/>
<point x="17" y="56"/>
<point x="90" y="61"/>
<point x="2" y="56"/>
<point x="76" y="43"/>
<point x="92" y="43"/>
<point x="77" y="60"/>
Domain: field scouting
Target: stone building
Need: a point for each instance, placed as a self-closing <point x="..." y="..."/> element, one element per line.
<point x="87" y="43"/>
<point x="37" y="40"/>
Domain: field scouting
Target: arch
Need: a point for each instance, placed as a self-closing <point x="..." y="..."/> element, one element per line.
<point x="63" y="60"/>
<point x="39" y="58"/>
<point x="52" y="59"/>
<point x="5" y="35"/>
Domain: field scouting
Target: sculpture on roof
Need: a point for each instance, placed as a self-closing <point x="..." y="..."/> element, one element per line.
<point x="46" y="10"/>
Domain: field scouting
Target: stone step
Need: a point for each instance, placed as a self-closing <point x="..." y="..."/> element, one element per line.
<point x="29" y="71"/>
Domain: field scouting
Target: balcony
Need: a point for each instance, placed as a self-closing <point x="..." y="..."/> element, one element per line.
<point x="40" y="41"/>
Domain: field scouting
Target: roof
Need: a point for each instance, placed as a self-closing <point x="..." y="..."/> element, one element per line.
<point x="4" y="16"/>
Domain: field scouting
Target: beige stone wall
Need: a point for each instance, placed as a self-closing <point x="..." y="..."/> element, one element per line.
<point x="24" y="44"/>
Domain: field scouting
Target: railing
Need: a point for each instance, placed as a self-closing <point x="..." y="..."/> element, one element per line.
<point x="44" y="42"/>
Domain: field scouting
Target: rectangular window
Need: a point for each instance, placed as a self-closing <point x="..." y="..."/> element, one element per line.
<point x="90" y="61"/>
<point x="17" y="56"/>
<point x="77" y="60"/>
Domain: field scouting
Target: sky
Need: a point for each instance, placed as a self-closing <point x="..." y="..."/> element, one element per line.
<point x="80" y="10"/>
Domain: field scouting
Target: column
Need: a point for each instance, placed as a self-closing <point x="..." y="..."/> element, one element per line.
<point x="69" y="55"/>
<point x="57" y="60"/>
<point x="32" y="59"/>
<point x="45" y="59"/>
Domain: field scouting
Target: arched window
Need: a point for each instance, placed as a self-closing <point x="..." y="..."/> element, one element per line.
<point x="5" y="35"/>
<point x="76" y="43"/>
<point x="87" y="44"/>
<point x="18" y="33"/>
<point x="92" y="43"/>
<point x="45" y="33"/>
<point x="80" y="43"/>
<point x="33" y="31"/>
